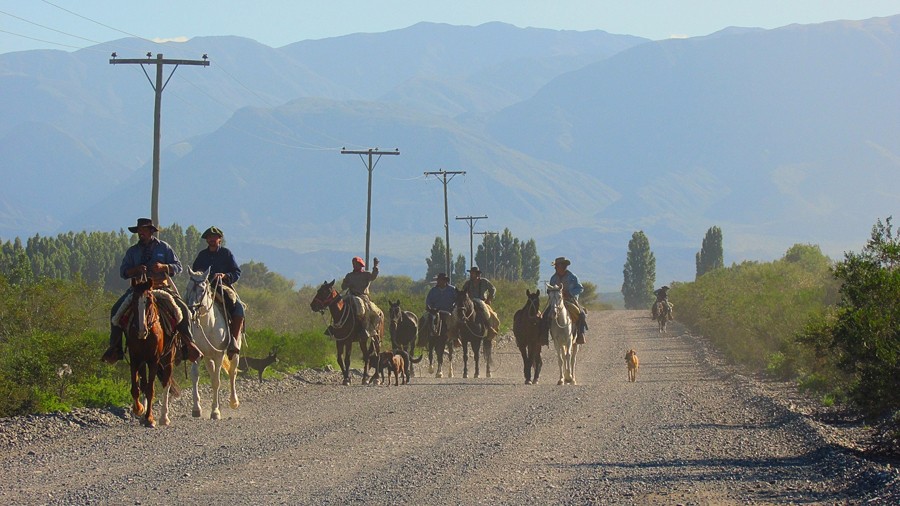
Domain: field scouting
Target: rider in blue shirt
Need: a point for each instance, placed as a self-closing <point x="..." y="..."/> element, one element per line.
<point x="223" y="273"/>
<point x="571" y="290"/>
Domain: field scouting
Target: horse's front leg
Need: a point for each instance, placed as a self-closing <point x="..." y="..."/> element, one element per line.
<point x="136" y="408"/>
<point x="196" y="410"/>
<point x="149" y="390"/>
<point x="465" y="348"/>
<point x="526" y="364"/>
<point x="562" y="360"/>
<point x="344" y="365"/>
<point x="213" y="367"/>
<point x="165" y="378"/>
<point x="430" y="347"/>
<point x="488" y="356"/>
<point x="476" y="353"/>
<point x="232" y="380"/>
<point x="364" y="348"/>
<point x="536" y="361"/>
<point x="574" y="355"/>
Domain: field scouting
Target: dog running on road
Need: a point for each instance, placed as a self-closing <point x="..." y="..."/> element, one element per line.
<point x="631" y="360"/>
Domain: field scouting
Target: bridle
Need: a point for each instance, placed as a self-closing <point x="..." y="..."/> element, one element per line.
<point x="326" y="302"/>
<point x="559" y="308"/>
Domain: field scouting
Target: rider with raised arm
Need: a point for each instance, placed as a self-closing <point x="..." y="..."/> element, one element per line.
<point x="356" y="283"/>
<point x="224" y="272"/>
<point x="571" y="290"/>
<point x="482" y="292"/>
<point x="156" y="260"/>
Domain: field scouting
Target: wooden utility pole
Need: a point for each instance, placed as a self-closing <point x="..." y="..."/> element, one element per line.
<point x="444" y="174"/>
<point x="485" y="235"/>
<point x="371" y="166"/>
<point x="472" y="220"/>
<point x="158" y="88"/>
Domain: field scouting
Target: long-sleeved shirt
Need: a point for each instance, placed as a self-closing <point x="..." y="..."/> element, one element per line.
<point x="358" y="281"/>
<point x="441" y="298"/>
<point x="478" y="288"/>
<point x="569" y="282"/>
<point x="154" y="251"/>
<point x="219" y="261"/>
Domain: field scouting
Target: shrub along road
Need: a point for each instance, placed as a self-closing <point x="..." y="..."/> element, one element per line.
<point x="688" y="431"/>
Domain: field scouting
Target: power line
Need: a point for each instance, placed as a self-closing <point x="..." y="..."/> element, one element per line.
<point x="51" y="29"/>
<point x="444" y="175"/>
<point x="370" y="167"/>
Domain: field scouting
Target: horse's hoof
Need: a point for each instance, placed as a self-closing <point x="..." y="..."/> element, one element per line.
<point x="439" y="375"/>
<point x="165" y="421"/>
<point x="527" y="382"/>
<point x="465" y="375"/>
<point x="535" y="382"/>
<point x="346" y="382"/>
<point x="149" y="423"/>
<point x="475" y="376"/>
<point x="488" y="375"/>
<point x="215" y="415"/>
<point x="430" y="370"/>
<point x="560" y="382"/>
<point x="197" y="413"/>
<point x="234" y="404"/>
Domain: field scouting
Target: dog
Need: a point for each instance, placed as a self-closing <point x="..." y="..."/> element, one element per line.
<point x="631" y="360"/>
<point x="396" y="366"/>
<point x="381" y="362"/>
<point x="408" y="362"/>
<point x="260" y="364"/>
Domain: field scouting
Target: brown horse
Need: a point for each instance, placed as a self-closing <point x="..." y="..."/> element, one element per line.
<point x="437" y="336"/>
<point x="151" y="353"/>
<point x="527" y="329"/>
<point x="345" y="330"/>
<point x="662" y="314"/>
<point x="472" y="331"/>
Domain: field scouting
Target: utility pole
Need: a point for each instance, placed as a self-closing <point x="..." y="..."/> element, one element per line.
<point x="371" y="166"/>
<point x="158" y="88"/>
<point x="493" y="250"/>
<point x="444" y="174"/>
<point x="472" y="220"/>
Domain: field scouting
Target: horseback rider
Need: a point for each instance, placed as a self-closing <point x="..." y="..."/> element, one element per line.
<point x="155" y="259"/>
<point x="224" y="272"/>
<point x="571" y="290"/>
<point x="662" y="295"/>
<point x="356" y="284"/>
<point x="442" y="296"/>
<point x="482" y="292"/>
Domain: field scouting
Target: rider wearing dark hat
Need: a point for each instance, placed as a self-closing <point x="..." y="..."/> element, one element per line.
<point x="482" y="292"/>
<point x="156" y="260"/>
<point x="662" y="295"/>
<point x="223" y="273"/>
<point x="442" y="296"/>
<point x="571" y="290"/>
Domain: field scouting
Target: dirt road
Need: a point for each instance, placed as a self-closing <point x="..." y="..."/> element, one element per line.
<point x="688" y="431"/>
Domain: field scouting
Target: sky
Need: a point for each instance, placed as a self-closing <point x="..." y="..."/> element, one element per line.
<point x="72" y="24"/>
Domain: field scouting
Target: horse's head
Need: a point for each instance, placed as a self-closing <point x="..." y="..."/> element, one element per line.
<point x="144" y="314"/>
<point x="395" y="312"/>
<point x="533" y="303"/>
<point x="326" y="295"/>
<point x="198" y="291"/>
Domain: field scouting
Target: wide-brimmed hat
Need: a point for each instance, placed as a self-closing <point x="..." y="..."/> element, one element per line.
<point x="212" y="231"/>
<point x="475" y="270"/>
<point x="442" y="275"/>
<point x="561" y="261"/>
<point x="143" y="222"/>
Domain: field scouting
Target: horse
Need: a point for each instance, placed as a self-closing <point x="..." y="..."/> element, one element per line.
<point x="212" y="340"/>
<point x="562" y="330"/>
<point x="527" y="329"/>
<point x="345" y="330"/>
<point x="472" y="332"/>
<point x="438" y="337"/>
<point x="151" y="352"/>
<point x="661" y="315"/>
<point x="404" y="325"/>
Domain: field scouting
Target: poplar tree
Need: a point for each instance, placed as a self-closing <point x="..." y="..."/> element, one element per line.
<point x="710" y="256"/>
<point x="639" y="273"/>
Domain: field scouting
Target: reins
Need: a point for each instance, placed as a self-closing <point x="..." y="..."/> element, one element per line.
<point x="345" y="315"/>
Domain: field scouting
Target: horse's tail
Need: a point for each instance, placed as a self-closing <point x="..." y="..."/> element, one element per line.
<point x="417" y="360"/>
<point x="174" y="389"/>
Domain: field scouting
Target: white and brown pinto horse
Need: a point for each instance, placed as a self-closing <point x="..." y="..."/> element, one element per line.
<point x="562" y="331"/>
<point x="211" y="334"/>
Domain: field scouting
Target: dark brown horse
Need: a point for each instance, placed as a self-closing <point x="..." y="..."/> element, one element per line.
<point x="345" y="329"/>
<point x="404" y="325"/>
<point x="527" y="329"/>
<point x="472" y="331"/>
<point x="437" y="337"/>
<point x="662" y="315"/>
<point x="151" y="353"/>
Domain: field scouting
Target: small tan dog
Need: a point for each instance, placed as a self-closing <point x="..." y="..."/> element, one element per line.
<point x="396" y="367"/>
<point x="631" y="360"/>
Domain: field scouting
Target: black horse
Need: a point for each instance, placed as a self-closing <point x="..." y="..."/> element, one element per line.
<point x="527" y="329"/>
<point x="437" y="337"/>
<point x="472" y="330"/>
<point x="404" y="325"/>
<point x="345" y="330"/>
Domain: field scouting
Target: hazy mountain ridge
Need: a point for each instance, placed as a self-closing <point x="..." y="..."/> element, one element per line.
<point x="777" y="136"/>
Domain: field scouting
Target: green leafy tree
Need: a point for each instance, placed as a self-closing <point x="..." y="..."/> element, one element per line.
<point x="257" y="275"/>
<point x="531" y="262"/>
<point x="639" y="273"/>
<point x="437" y="262"/>
<point x="459" y="269"/>
<point x="488" y="255"/>
<point x="710" y="256"/>
<point x="863" y="333"/>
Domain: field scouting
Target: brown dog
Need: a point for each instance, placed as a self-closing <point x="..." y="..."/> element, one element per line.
<point x="631" y="360"/>
<point x="396" y="367"/>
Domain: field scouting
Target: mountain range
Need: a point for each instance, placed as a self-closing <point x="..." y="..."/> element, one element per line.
<point x="575" y="139"/>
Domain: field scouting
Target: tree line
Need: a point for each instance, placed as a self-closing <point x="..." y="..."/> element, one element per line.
<point x="499" y="256"/>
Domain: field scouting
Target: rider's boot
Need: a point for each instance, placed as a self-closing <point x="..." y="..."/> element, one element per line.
<point x="189" y="350"/>
<point x="114" y="353"/>
<point x="234" y="346"/>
